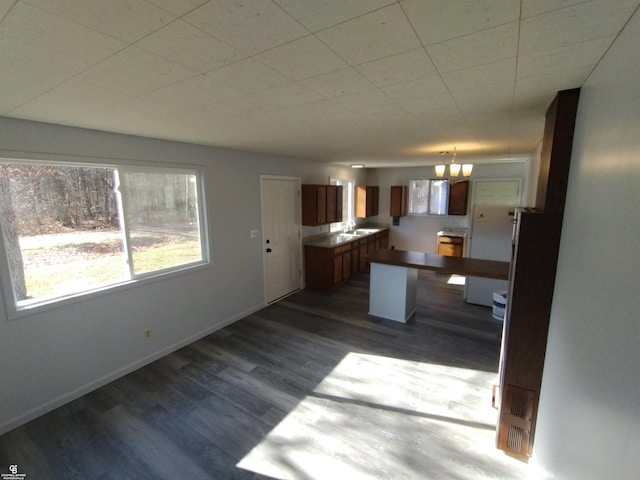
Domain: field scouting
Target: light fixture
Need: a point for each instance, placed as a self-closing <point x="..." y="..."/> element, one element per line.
<point x="357" y="165"/>
<point x="454" y="168"/>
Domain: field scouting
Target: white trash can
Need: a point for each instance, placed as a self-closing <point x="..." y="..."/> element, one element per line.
<point x="499" y="304"/>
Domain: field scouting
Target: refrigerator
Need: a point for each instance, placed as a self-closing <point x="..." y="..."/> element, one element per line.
<point x="490" y="238"/>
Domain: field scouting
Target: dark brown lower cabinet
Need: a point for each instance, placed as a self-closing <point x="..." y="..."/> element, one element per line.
<point x="327" y="267"/>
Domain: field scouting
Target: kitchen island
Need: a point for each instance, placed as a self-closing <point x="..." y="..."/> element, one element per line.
<point x="394" y="275"/>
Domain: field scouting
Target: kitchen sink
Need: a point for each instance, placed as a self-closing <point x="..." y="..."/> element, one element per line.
<point x="343" y="237"/>
<point x="366" y="231"/>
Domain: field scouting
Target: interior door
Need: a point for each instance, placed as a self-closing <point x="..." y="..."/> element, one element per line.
<point x="281" y="242"/>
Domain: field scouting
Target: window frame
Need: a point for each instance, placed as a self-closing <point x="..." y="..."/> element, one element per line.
<point x="428" y="195"/>
<point x="348" y="204"/>
<point x="12" y="307"/>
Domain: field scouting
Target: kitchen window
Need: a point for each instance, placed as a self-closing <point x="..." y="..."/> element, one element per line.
<point x="428" y="197"/>
<point x="70" y="229"/>
<point x="348" y="209"/>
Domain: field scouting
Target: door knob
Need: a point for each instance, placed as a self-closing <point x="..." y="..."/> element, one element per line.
<point x="268" y="250"/>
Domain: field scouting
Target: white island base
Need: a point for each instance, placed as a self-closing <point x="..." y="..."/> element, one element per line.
<point x="392" y="293"/>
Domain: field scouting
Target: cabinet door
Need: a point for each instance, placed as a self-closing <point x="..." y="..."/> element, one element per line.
<point x="398" y="201"/>
<point x="384" y="239"/>
<point x="374" y="194"/>
<point x="363" y="267"/>
<point x="355" y="257"/>
<point x="458" y="195"/>
<point x="346" y="265"/>
<point x="337" y="267"/>
<point x="314" y="205"/>
<point x="367" y="199"/>
<point x="322" y="204"/>
<point x="334" y="203"/>
<point x="331" y="203"/>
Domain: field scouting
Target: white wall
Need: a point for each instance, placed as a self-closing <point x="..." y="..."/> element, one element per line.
<point x="53" y="356"/>
<point x="419" y="232"/>
<point x="589" y="417"/>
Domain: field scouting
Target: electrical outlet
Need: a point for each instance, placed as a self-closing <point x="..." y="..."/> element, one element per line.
<point x="254" y="233"/>
<point x="147" y="334"/>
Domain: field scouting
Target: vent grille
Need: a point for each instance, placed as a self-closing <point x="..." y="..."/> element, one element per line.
<point x="514" y="430"/>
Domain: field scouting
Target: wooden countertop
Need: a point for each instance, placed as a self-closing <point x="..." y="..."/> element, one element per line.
<point x="471" y="267"/>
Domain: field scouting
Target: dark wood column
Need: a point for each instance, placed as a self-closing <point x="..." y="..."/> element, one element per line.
<point x="531" y="284"/>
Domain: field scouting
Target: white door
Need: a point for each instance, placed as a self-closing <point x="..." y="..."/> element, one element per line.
<point x="281" y="242"/>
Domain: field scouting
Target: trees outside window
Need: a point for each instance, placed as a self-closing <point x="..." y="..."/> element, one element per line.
<point x="428" y="197"/>
<point x="73" y="229"/>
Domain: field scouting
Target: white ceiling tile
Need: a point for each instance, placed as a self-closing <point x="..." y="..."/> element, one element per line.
<point x="303" y="58"/>
<point x="398" y="68"/>
<point x="370" y="37"/>
<point x="336" y="84"/>
<point x="126" y="20"/>
<point x="178" y="7"/>
<point x="5" y="5"/>
<point x="284" y="96"/>
<point x="434" y="108"/>
<point x="531" y="8"/>
<point x="193" y="92"/>
<point x="250" y="75"/>
<point x="577" y="55"/>
<point x="134" y="72"/>
<point x="33" y="26"/>
<point x="44" y="50"/>
<point x="22" y="85"/>
<point x="549" y="84"/>
<point x="486" y="98"/>
<point x="586" y="21"/>
<point x="320" y="14"/>
<point x="185" y="44"/>
<point x="364" y="101"/>
<point x="476" y="49"/>
<point x="419" y="88"/>
<point x="500" y="72"/>
<point x="67" y="100"/>
<point x="251" y="27"/>
<point x="439" y="20"/>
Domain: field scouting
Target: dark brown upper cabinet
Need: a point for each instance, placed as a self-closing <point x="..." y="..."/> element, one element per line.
<point x="458" y="198"/>
<point x="398" y="201"/>
<point x="321" y="204"/>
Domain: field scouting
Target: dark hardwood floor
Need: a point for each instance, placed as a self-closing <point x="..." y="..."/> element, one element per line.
<point x="311" y="387"/>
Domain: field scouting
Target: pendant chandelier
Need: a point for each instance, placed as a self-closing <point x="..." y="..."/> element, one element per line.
<point x="454" y="168"/>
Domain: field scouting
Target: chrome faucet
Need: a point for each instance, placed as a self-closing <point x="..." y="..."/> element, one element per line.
<point x="349" y="226"/>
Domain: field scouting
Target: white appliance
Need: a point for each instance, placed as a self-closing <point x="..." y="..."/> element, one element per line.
<point x="490" y="238"/>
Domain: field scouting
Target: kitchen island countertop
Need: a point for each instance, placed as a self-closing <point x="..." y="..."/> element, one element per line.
<point x="472" y="267"/>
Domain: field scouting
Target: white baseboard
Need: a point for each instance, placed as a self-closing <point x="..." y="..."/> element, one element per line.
<point x="50" y="405"/>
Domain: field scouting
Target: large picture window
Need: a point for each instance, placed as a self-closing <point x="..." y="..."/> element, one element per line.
<point x="428" y="197"/>
<point x="72" y="229"/>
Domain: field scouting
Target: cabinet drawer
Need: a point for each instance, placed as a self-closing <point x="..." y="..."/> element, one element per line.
<point x="450" y="249"/>
<point x="452" y="240"/>
<point x="342" y="249"/>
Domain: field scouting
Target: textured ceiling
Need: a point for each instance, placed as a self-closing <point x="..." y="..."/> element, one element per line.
<point x="377" y="82"/>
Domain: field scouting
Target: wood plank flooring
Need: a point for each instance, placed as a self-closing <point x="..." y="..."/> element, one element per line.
<point x="311" y="387"/>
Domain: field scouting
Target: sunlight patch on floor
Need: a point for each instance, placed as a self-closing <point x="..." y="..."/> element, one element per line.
<point x="457" y="279"/>
<point x="376" y="417"/>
